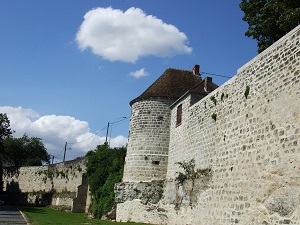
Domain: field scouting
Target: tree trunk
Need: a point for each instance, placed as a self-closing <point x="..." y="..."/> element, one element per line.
<point x="1" y="175"/>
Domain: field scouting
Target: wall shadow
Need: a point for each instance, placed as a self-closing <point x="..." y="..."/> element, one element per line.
<point x="14" y="196"/>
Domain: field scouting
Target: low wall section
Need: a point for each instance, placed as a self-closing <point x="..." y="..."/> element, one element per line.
<point x="64" y="181"/>
<point x="58" y="177"/>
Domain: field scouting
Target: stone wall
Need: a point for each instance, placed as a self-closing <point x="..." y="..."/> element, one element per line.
<point x="58" y="177"/>
<point x="250" y="137"/>
<point x="64" y="181"/>
<point x="147" y="149"/>
<point x="64" y="203"/>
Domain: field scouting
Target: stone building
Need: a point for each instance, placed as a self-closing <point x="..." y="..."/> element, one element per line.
<point x="245" y="134"/>
<point x="148" y="144"/>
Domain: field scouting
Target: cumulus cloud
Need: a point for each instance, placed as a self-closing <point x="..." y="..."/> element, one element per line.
<point x="126" y="36"/>
<point x="56" y="130"/>
<point x="139" y="73"/>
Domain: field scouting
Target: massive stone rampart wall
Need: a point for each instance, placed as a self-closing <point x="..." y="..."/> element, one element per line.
<point x="251" y="140"/>
<point x="61" y="177"/>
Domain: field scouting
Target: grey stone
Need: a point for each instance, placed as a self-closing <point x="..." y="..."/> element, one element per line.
<point x="283" y="201"/>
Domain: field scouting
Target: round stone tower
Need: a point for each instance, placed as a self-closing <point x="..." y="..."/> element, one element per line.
<point x="148" y="143"/>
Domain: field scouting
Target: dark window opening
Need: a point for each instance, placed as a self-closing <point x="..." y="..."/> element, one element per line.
<point x="160" y="118"/>
<point x="179" y="115"/>
<point x="155" y="162"/>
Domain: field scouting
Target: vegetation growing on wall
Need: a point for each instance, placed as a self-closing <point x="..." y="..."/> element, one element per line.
<point x="104" y="169"/>
<point x="189" y="172"/>
<point x="57" y="172"/>
<point x="214" y="117"/>
<point x="223" y="96"/>
<point x="190" y="175"/>
<point x="247" y="91"/>
<point x="214" y="100"/>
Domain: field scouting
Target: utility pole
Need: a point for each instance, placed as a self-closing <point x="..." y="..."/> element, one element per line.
<point x="65" y="151"/>
<point x="115" y="121"/>
<point x="52" y="159"/>
<point x="107" y="132"/>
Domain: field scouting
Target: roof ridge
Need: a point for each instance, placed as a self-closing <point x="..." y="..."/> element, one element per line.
<point x="172" y="68"/>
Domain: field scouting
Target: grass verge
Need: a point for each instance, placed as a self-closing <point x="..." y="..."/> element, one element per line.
<point x="46" y="216"/>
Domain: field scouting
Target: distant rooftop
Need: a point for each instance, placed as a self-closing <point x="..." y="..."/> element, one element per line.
<point x="204" y="87"/>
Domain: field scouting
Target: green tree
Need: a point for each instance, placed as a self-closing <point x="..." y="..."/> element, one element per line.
<point x="25" y="151"/>
<point x="104" y="169"/>
<point x="269" y="20"/>
<point x="5" y="132"/>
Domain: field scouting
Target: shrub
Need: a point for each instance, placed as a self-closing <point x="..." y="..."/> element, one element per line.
<point x="104" y="169"/>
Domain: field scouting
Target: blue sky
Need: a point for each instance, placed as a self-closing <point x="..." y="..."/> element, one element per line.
<point x="70" y="67"/>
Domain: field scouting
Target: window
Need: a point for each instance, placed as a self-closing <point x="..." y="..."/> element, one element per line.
<point x="160" y="118"/>
<point x="155" y="162"/>
<point x="179" y="115"/>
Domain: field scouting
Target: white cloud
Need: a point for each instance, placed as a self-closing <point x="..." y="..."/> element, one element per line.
<point x="126" y="36"/>
<point x="115" y="142"/>
<point x="56" y="130"/>
<point x="22" y="118"/>
<point x="139" y="73"/>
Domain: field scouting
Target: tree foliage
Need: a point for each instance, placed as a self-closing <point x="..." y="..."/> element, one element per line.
<point x="104" y="169"/>
<point x="269" y="20"/>
<point x="5" y="132"/>
<point x="25" y="151"/>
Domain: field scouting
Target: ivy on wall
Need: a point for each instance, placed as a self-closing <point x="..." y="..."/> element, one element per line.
<point x="65" y="173"/>
<point x="247" y="91"/>
<point x="214" y="100"/>
<point x="214" y="117"/>
<point x="103" y="170"/>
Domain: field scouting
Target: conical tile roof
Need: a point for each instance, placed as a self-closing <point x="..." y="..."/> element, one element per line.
<point x="172" y="84"/>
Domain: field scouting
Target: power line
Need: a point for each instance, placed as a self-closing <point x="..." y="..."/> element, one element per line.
<point x="119" y="120"/>
<point x="217" y="75"/>
<point x="59" y="154"/>
<point x="88" y="137"/>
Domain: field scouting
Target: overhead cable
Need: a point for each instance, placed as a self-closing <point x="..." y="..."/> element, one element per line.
<point x="213" y="74"/>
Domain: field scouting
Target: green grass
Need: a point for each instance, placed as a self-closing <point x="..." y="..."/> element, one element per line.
<point x="46" y="216"/>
